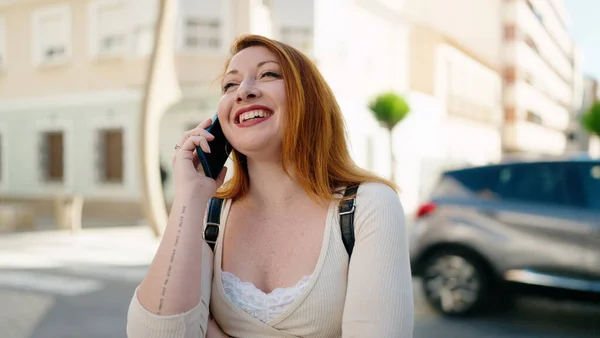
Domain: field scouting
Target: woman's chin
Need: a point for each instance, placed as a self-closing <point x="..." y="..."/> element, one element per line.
<point x="261" y="153"/>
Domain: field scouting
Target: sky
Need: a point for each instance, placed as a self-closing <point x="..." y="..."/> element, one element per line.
<point x="585" y="28"/>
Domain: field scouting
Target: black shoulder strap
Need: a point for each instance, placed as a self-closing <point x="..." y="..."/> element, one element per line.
<point x="211" y="232"/>
<point x="346" y="212"/>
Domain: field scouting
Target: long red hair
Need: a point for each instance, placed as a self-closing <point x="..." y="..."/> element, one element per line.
<point x="314" y="139"/>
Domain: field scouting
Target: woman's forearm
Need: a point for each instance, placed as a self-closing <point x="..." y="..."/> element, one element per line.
<point x="172" y="285"/>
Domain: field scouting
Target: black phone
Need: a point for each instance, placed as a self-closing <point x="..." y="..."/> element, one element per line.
<point x="213" y="162"/>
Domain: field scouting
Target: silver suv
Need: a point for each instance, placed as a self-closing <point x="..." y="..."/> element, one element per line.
<point x="488" y="232"/>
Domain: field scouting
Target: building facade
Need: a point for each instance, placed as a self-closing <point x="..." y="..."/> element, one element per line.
<point x="542" y="77"/>
<point x="72" y="74"/>
<point x="526" y="41"/>
<point x="456" y="112"/>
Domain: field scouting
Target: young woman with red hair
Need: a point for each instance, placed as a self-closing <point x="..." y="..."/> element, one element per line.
<point x="282" y="267"/>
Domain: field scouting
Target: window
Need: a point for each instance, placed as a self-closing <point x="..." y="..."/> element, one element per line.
<point x="298" y="37"/>
<point x="534" y="118"/>
<point x="470" y="93"/>
<point x="590" y="176"/>
<point x="107" y="27"/>
<point x="529" y="41"/>
<point x="540" y="183"/>
<point x="110" y="153"/>
<point x="2" y="44"/>
<point x="52" y="156"/>
<point x="202" y="33"/>
<point x="545" y="183"/>
<point x="52" y="34"/>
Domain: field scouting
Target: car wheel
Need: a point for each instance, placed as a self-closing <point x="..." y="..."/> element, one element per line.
<point x="454" y="283"/>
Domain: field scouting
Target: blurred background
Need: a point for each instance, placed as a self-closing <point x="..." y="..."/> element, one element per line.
<point x="88" y="120"/>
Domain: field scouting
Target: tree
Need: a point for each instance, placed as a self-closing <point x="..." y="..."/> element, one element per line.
<point x="390" y="109"/>
<point x="591" y="119"/>
<point x="160" y="92"/>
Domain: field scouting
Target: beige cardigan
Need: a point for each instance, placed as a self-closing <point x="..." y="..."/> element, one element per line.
<point x="370" y="297"/>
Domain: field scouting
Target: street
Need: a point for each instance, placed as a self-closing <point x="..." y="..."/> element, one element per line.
<point x="55" y="285"/>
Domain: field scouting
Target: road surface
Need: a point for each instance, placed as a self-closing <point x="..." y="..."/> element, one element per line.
<point x="54" y="285"/>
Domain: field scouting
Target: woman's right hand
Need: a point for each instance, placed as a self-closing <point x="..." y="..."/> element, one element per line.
<point x="189" y="177"/>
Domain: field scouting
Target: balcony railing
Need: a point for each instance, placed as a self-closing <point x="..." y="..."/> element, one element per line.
<point x="561" y="58"/>
<point x="540" y="19"/>
<point x="543" y="85"/>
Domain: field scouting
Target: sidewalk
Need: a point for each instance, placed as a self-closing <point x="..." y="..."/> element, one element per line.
<point x="47" y="277"/>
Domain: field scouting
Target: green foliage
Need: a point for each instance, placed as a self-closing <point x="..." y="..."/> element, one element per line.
<point x="591" y="119"/>
<point x="389" y="109"/>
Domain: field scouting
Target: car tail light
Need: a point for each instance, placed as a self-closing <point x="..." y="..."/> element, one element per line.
<point x="425" y="209"/>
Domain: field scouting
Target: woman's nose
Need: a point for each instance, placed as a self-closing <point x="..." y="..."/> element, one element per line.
<point x="247" y="91"/>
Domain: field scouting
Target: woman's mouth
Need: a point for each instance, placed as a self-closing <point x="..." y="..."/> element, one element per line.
<point x="253" y="117"/>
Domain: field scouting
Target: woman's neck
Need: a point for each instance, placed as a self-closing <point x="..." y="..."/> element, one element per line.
<point x="270" y="186"/>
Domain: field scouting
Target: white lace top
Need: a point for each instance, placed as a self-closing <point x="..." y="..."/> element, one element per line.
<point x="262" y="306"/>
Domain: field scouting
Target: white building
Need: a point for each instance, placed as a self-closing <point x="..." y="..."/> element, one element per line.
<point x="456" y="113"/>
<point x="72" y="73"/>
<point x="527" y="42"/>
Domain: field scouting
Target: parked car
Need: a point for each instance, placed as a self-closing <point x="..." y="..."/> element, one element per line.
<point x="488" y="232"/>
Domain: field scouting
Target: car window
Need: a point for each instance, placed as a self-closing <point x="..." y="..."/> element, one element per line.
<point x="590" y="178"/>
<point x="544" y="183"/>
<point x="474" y="181"/>
<point x="541" y="183"/>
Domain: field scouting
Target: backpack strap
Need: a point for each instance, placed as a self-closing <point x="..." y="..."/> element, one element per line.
<point x="346" y="212"/>
<point x="211" y="232"/>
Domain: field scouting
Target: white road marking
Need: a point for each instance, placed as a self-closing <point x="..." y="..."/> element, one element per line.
<point x="47" y="283"/>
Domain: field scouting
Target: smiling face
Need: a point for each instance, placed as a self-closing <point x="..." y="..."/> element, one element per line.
<point x="253" y="105"/>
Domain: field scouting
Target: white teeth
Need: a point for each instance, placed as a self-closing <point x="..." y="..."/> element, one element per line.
<point x="254" y="113"/>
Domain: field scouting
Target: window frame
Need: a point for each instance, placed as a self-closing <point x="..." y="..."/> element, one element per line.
<point x="38" y="54"/>
<point x="102" y="188"/>
<point x="100" y="162"/>
<point x="94" y="33"/>
<point x="218" y="36"/>
<point x="50" y="125"/>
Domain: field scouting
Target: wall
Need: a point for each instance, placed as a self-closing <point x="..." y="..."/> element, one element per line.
<point x="473" y="24"/>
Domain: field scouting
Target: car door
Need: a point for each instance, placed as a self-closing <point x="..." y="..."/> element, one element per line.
<point x="535" y="203"/>
<point x="589" y="172"/>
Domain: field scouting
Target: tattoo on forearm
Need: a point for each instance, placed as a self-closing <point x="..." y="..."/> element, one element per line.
<point x="164" y="288"/>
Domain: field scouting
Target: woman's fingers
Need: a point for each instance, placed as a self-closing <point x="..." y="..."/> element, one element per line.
<point x="190" y="145"/>
<point x="201" y="138"/>
<point x="196" y="132"/>
<point x="205" y="124"/>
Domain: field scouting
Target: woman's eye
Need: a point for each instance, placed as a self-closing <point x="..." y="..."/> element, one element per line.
<point x="228" y="85"/>
<point x="271" y="74"/>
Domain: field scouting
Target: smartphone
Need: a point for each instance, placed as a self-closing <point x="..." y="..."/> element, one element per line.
<point x="213" y="162"/>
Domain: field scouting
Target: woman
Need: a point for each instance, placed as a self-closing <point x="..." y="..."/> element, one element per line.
<point x="280" y="266"/>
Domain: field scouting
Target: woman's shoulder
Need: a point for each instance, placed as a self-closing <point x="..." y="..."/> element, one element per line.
<point x="378" y="205"/>
<point x="369" y="191"/>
